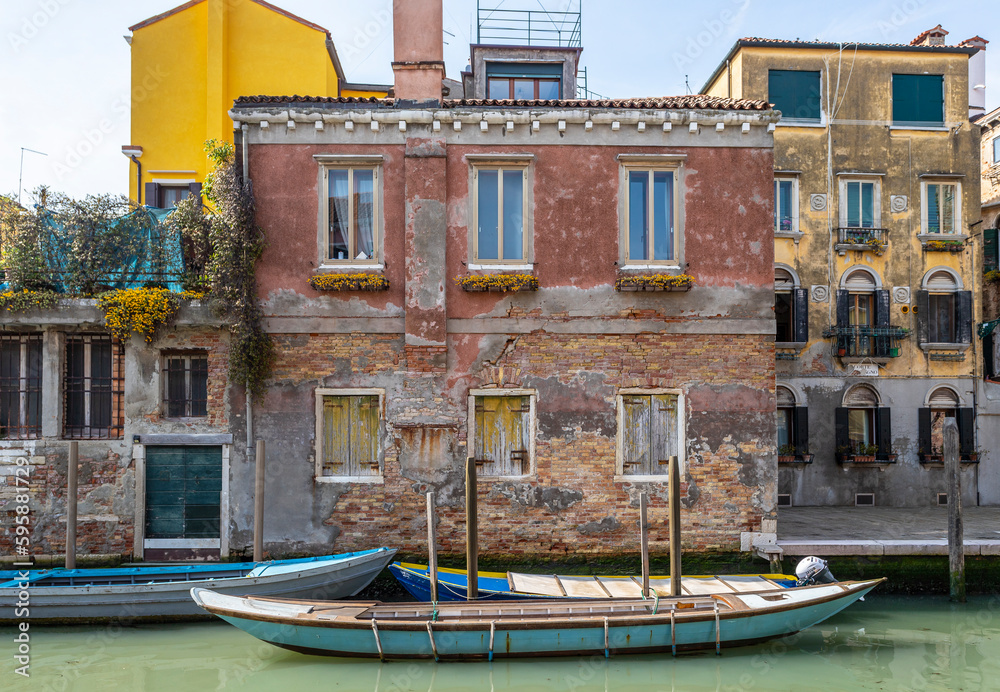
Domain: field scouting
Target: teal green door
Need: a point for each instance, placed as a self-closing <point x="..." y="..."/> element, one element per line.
<point x="183" y="491"/>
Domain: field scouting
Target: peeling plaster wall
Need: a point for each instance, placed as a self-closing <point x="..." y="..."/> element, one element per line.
<point x="575" y="343"/>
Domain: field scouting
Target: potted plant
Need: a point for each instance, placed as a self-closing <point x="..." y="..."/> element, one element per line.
<point x="786" y="454"/>
<point x="865" y="453"/>
<point x="934" y="457"/>
<point x="841" y="351"/>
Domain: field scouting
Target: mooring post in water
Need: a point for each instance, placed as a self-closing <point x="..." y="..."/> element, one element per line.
<point x="956" y="548"/>
<point x="471" y="530"/>
<point x="674" y="491"/>
<point x="258" y="504"/>
<point x="432" y="553"/>
<point x="74" y="459"/>
<point x="644" y="543"/>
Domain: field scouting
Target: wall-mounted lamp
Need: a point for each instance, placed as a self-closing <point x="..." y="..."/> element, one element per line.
<point x="134" y="151"/>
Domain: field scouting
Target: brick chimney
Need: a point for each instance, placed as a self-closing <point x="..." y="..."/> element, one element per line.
<point x="931" y="37"/>
<point x="418" y="44"/>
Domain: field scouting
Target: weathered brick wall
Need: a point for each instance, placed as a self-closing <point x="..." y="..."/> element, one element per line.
<point x="572" y="504"/>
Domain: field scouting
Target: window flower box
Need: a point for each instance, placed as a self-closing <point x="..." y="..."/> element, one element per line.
<point x="944" y="246"/>
<point x="499" y="283"/>
<point x="654" y="282"/>
<point x="795" y="458"/>
<point x="349" y="282"/>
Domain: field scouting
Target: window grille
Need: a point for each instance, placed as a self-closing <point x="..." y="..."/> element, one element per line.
<point x="93" y="387"/>
<point x="185" y="384"/>
<point x="20" y="386"/>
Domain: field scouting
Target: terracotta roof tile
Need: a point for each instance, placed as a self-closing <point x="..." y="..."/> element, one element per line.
<point x="924" y="34"/>
<point x="816" y="43"/>
<point x="696" y="101"/>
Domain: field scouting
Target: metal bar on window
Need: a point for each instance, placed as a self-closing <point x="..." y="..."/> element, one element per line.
<point x="93" y="402"/>
<point x="20" y="386"/>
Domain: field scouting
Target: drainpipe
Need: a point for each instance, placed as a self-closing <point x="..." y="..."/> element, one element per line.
<point x="138" y="180"/>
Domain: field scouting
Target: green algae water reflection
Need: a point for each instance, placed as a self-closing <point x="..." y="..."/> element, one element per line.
<point x="885" y="643"/>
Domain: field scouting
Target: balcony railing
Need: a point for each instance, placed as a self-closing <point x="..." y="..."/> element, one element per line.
<point x="872" y="342"/>
<point x="853" y="238"/>
<point x="528" y="27"/>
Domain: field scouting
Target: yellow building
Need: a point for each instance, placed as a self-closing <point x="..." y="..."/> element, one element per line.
<point x="877" y="262"/>
<point x="188" y="66"/>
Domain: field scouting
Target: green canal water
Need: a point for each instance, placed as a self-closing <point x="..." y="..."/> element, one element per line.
<point x="885" y="643"/>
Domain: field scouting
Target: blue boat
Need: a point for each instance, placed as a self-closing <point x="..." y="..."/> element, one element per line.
<point x="134" y="594"/>
<point x="498" y="586"/>
<point x="542" y="627"/>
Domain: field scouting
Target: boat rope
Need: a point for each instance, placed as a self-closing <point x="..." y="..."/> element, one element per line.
<point x="673" y="632"/>
<point x="430" y="633"/>
<point x="434" y="613"/>
<point x="378" y="642"/>
<point x="493" y="630"/>
<point x="718" y="642"/>
<point x="607" y="651"/>
<point x="656" y="601"/>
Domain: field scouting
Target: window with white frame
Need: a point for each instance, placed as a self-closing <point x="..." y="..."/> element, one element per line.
<point x="649" y="431"/>
<point x="942" y="204"/>
<point x="996" y="150"/>
<point x="651" y="228"/>
<point x="860" y="204"/>
<point x="348" y="431"/>
<point x="502" y="431"/>
<point x="499" y="206"/>
<point x="786" y="205"/>
<point x="20" y="386"/>
<point x="351" y="210"/>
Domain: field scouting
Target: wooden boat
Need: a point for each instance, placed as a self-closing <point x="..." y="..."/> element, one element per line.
<point x="514" y="629"/>
<point x="163" y="593"/>
<point x="499" y="586"/>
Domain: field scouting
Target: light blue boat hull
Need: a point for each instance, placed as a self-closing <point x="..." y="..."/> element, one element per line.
<point x="644" y="632"/>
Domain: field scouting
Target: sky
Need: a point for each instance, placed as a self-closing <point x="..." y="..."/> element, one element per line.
<point x="66" y="64"/>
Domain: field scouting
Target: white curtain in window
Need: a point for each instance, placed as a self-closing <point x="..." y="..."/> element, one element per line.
<point x="364" y="203"/>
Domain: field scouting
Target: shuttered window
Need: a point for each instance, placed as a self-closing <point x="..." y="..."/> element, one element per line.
<point x="918" y="100"/>
<point x="649" y="433"/>
<point x="503" y="435"/>
<point x="941" y="208"/>
<point x="93" y="387"/>
<point x="785" y="205"/>
<point x="349" y="430"/>
<point x="861" y="204"/>
<point x="185" y="385"/>
<point x="796" y="93"/>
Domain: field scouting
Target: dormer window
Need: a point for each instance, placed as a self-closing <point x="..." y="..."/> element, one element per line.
<point x="532" y="81"/>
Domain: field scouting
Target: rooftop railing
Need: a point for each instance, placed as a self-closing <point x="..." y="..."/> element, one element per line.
<point x="528" y="27"/>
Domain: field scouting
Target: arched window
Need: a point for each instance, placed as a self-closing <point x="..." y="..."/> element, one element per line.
<point x="791" y="306"/>
<point x="860" y="285"/>
<point x="944" y="310"/>
<point x="863" y="425"/>
<point x="792" y="424"/>
<point x="941" y="404"/>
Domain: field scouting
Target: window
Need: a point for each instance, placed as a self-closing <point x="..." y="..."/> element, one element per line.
<point x="862" y="207"/>
<point x="944" y="311"/>
<point x="185" y="384"/>
<point x="93" y="387"/>
<point x="651" y="216"/>
<point x="648" y="432"/>
<point x="166" y="195"/>
<point x="785" y="417"/>
<point x="20" y="386"/>
<point x="856" y="302"/>
<point x="524" y="88"/>
<point x="996" y="150"/>
<point x="786" y="205"/>
<point x="941" y="404"/>
<point x="352" y="215"/>
<point x="796" y="93"/>
<point x="918" y="100"/>
<point x="863" y="425"/>
<point x="499" y="214"/>
<point x="502" y="437"/>
<point x="860" y="313"/>
<point x="348" y="426"/>
<point x="791" y="308"/>
<point x="942" y="203"/>
<point x="524" y="80"/>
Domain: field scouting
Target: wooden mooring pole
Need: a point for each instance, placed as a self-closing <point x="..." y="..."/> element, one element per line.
<point x="674" y="490"/>
<point x="471" y="530"/>
<point x="432" y="553"/>
<point x="644" y="543"/>
<point x="956" y="547"/>
<point x="258" y="504"/>
<point x="71" y="485"/>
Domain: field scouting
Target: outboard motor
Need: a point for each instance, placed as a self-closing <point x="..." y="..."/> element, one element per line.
<point x="813" y="570"/>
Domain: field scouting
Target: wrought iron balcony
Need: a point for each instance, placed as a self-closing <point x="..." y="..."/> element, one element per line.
<point x="872" y="342"/>
<point x="873" y="239"/>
